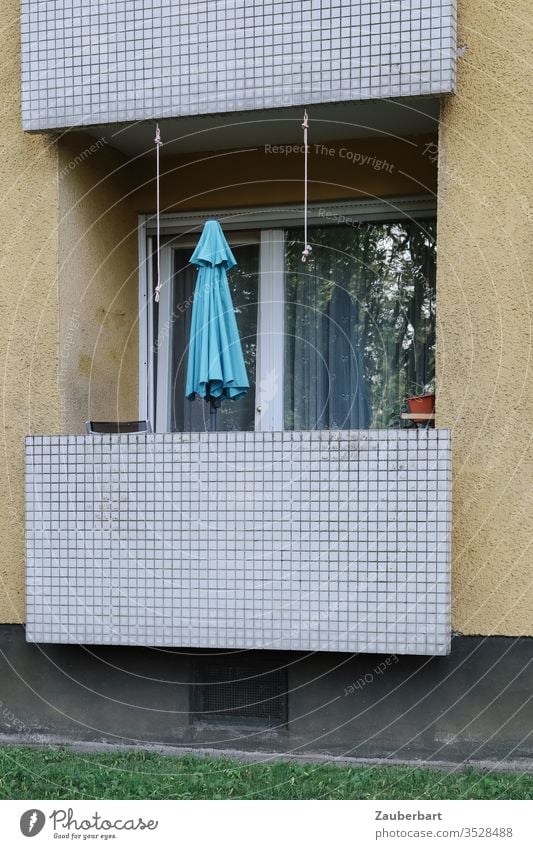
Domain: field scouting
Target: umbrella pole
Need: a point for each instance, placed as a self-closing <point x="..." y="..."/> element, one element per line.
<point x="213" y="414"/>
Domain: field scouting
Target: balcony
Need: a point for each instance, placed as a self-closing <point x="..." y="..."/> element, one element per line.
<point x="113" y="62"/>
<point x="313" y="541"/>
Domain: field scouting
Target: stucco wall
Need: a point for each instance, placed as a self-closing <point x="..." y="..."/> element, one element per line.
<point x="485" y="300"/>
<point x="98" y="290"/>
<point x="28" y="305"/>
<point x="484" y="291"/>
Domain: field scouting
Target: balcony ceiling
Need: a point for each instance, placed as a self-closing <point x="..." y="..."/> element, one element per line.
<point x="328" y="122"/>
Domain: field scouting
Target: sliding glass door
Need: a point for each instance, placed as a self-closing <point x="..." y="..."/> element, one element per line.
<point x="336" y="342"/>
<point x="359" y="323"/>
<point x="171" y="332"/>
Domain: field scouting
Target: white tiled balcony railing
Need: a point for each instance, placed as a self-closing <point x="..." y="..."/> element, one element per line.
<point x="114" y="60"/>
<point x="326" y="541"/>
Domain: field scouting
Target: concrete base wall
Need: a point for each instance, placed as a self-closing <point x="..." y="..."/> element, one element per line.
<point x="471" y="704"/>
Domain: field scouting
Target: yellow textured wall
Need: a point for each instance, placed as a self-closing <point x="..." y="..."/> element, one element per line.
<point x="28" y="306"/>
<point x="485" y="303"/>
<point x="485" y="295"/>
<point x="98" y="286"/>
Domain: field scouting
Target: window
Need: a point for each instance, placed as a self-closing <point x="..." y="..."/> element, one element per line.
<point x="172" y="321"/>
<point x="333" y="343"/>
<point x="247" y="688"/>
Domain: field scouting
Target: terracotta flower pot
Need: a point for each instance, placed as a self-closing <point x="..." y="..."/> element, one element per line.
<point x="421" y="404"/>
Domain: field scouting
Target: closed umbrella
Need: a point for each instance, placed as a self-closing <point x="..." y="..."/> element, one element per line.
<point x="215" y="368"/>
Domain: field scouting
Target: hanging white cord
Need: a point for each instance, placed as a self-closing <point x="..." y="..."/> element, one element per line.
<point x="158" y="144"/>
<point x="307" y="247"/>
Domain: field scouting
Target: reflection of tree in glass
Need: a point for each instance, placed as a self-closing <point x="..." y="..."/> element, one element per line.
<point x="373" y="285"/>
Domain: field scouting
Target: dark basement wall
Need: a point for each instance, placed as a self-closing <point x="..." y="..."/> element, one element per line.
<point x="472" y="704"/>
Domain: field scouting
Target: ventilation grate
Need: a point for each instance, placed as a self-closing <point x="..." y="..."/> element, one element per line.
<point x="239" y="689"/>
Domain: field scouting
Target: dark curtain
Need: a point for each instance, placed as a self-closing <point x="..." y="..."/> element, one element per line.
<point x="360" y="323"/>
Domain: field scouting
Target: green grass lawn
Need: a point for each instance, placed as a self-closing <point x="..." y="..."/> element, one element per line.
<point x="61" y="774"/>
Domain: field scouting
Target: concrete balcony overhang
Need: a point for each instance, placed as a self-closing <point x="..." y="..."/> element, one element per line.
<point x="329" y="122"/>
<point x="120" y="63"/>
<point x="308" y="541"/>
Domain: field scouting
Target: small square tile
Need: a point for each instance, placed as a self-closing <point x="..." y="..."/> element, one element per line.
<point x="408" y="51"/>
<point x="320" y="572"/>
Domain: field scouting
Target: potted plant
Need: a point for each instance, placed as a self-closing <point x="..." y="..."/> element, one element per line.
<point x="421" y="399"/>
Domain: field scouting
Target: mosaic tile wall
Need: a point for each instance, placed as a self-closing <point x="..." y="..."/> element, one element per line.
<point x="117" y="60"/>
<point x="310" y="541"/>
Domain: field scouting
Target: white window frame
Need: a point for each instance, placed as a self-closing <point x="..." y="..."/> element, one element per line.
<point x="271" y="221"/>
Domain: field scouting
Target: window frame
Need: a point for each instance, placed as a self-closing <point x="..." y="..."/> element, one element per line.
<point x="271" y="222"/>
